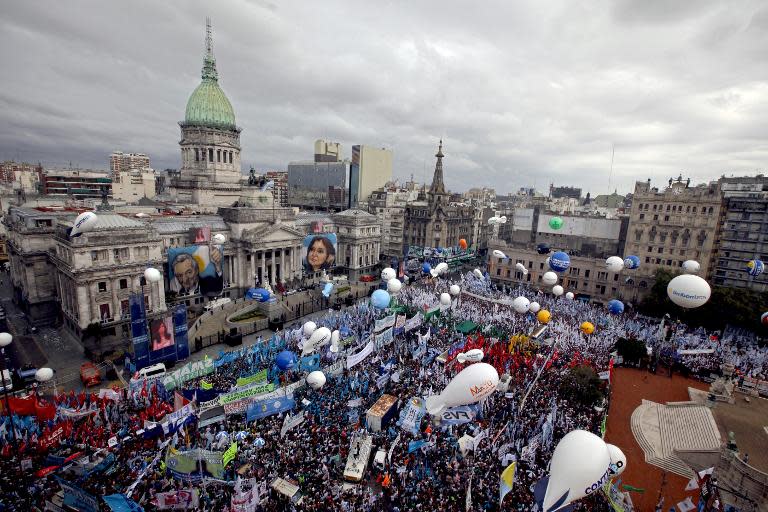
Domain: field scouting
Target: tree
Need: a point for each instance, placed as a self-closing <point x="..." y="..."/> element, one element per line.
<point x="93" y="333"/>
<point x="582" y="385"/>
<point x="631" y="349"/>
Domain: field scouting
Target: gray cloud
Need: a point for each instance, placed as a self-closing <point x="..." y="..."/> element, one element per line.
<point x="522" y="95"/>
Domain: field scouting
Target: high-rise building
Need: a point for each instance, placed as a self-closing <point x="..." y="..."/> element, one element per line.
<point x="78" y="183"/>
<point x="327" y="151"/>
<point x="120" y="162"/>
<point x="678" y="223"/>
<point x="319" y="185"/>
<point x="742" y="235"/>
<point x="371" y="169"/>
<point x="388" y="205"/>
<point x="280" y="188"/>
<point x="210" y="143"/>
<point x="569" y="192"/>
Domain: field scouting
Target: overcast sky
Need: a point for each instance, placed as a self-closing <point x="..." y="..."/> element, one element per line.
<point x="522" y="95"/>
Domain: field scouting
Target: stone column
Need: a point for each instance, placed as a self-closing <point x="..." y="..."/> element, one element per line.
<point x="253" y="268"/>
<point x="83" y="305"/>
<point x="282" y="264"/>
<point x="263" y="255"/>
<point x="114" y="310"/>
<point x="274" y="268"/>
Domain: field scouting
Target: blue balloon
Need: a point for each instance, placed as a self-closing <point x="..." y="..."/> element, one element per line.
<point x="380" y="299"/>
<point x="327" y="289"/>
<point x="259" y="294"/>
<point x="755" y="267"/>
<point x="559" y="261"/>
<point x="426" y="267"/>
<point x="285" y="360"/>
<point x="631" y="262"/>
<point x="615" y="306"/>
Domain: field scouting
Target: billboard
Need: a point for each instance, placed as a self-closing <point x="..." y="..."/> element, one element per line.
<point x="318" y="252"/>
<point x="196" y="269"/>
<point x="201" y="235"/>
<point x="161" y="333"/>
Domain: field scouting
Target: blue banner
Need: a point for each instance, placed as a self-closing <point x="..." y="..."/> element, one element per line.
<point x="264" y="408"/>
<point x="139" y="332"/>
<point x="119" y="503"/>
<point x="415" y="445"/>
<point x="458" y="415"/>
<point x="77" y="498"/>
<point x="310" y="363"/>
<point x="180" y="331"/>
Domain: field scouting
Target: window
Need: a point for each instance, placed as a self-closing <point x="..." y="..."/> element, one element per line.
<point x="667" y="207"/>
<point x="218" y="155"/>
<point x="669" y="263"/>
<point x="197" y="155"/>
<point x="661" y="249"/>
<point x="655" y="217"/>
<point x="616" y="277"/>
<point x="586" y="274"/>
<point x="121" y="254"/>
<point x="125" y="307"/>
<point x="642" y="216"/>
<point x="123" y="284"/>
<point x="711" y="210"/>
<point x="602" y="275"/>
<point x="647" y="259"/>
<point x="102" y="286"/>
<point x="498" y="271"/>
<point x="650" y="249"/>
<point x="666" y="218"/>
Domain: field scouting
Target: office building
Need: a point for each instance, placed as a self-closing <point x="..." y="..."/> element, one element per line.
<point x="318" y="185"/>
<point x="120" y="162"/>
<point x="561" y="192"/>
<point x="327" y="151"/>
<point x="280" y="187"/>
<point x="371" y="169"/>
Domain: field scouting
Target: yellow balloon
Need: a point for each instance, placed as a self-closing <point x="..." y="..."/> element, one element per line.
<point x="587" y="328"/>
<point x="543" y="316"/>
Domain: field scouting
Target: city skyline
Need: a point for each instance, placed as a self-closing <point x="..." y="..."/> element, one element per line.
<point x="675" y="88"/>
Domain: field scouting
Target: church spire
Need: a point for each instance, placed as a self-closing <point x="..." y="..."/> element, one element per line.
<point x="209" y="61"/>
<point x="438" y="186"/>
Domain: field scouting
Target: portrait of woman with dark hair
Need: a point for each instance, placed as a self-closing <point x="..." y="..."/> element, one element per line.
<point x="321" y="254"/>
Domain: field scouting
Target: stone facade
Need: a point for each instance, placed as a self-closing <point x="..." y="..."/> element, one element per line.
<point x="359" y="235"/>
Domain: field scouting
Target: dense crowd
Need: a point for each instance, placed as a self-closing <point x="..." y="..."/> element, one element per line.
<point x="437" y="475"/>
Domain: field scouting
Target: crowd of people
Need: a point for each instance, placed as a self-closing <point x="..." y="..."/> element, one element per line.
<point x="103" y="448"/>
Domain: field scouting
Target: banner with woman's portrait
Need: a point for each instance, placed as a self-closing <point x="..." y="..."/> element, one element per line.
<point x="318" y="252"/>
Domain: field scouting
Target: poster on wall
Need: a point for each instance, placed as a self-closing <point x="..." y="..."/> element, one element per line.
<point x="196" y="269"/>
<point x="161" y="333"/>
<point x="318" y="252"/>
<point x="201" y="235"/>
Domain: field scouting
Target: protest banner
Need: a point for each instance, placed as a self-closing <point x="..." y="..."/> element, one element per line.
<point x="181" y="499"/>
<point x="260" y="376"/>
<point x="355" y="359"/>
<point x="189" y="371"/>
<point x="77" y="498"/>
<point x="264" y="408"/>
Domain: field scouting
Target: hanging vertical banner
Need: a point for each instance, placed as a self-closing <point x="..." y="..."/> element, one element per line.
<point x="139" y="333"/>
<point x="180" y="330"/>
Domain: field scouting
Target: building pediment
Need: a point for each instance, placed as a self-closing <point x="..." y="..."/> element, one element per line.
<point x="272" y="233"/>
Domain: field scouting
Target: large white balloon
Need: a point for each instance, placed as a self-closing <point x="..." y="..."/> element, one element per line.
<point x="335" y="335"/>
<point x="557" y="290"/>
<point x="471" y="356"/>
<point x="309" y="328"/>
<point x="442" y="268"/>
<point x="471" y="385"/>
<point x="86" y="221"/>
<point x="394" y="285"/>
<point x="387" y="274"/>
<point x="316" y="379"/>
<point x="454" y="289"/>
<point x="478" y="273"/>
<point x="219" y="239"/>
<point x="579" y="467"/>
<point x="549" y="278"/>
<point x="321" y="336"/>
<point x="521" y="304"/>
<point x="534" y="307"/>
<point x="614" y="264"/>
<point x="152" y="275"/>
<point x="691" y="267"/>
<point x="521" y="268"/>
<point x="569" y="296"/>
<point x="688" y="291"/>
<point x="498" y="254"/>
<point x="618" y="459"/>
<point x="445" y="299"/>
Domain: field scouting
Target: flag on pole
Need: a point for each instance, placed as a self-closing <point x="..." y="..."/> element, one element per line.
<point x="507" y="479"/>
<point x="692" y="485"/>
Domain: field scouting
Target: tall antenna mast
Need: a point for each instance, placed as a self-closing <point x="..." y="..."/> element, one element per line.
<point x="208" y="37"/>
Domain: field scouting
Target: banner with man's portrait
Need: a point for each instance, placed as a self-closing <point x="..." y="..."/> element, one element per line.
<point x="318" y="252"/>
<point x="196" y="269"/>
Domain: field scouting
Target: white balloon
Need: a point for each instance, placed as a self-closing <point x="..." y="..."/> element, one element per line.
<point x="557" y="290"/>
<point x="152" y="275"/>
<point x="691" y="267"/>
<point x="321" y="336"/>
<point x="521" y="268"/>
<point x="498" y="254"/>
<point x="579" y="466"/>
<point x="534" y="307"/>
<point x="219" y="239"/>
<point x="86" y="221"/>
<point x="335" y="336"/>
<point x="471" y="356"/>
<point x="394" y="285"/>
<point x="434" y="273"/>
<point x="309" y="328"/>
<point x="478" y="273"/>
<point x="493" y="220"/>
<point x="316" y="379"/>
<point x="44" y="374"/>
<point x="503" y="219"/>
<point x="569" y="296"/>
<point x="614" y="264"/>
<point x="688" y="291"/>
<point x="521" y="304"/>
<point x="387" y="274"/>
<point x="471" y="385"/>
<point x="142" y="215"/>
<point x="445" y="299"/>
<point x="549" y="278"/>
<point x="618" y="459"/>
<point x="454" y="289"/>
<point x="442" y="268"/>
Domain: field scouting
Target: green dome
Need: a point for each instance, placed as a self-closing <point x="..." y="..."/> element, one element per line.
<point x="208" y="106"/>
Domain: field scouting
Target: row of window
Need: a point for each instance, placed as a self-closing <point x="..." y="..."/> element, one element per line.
<point x="202" y="153"/>
<point x="120" y="255"/>
<point x="675" y="208"/>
